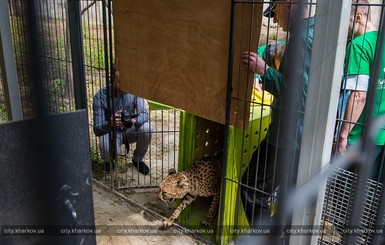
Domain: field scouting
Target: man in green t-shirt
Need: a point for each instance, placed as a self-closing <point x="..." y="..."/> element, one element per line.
<point x="359" y="59"/>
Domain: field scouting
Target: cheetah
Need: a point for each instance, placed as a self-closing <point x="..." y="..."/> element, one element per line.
<point x="203" y="178"/>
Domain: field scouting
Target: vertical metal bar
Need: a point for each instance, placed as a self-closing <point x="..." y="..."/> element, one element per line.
<point x="321" y="105"/>
<point x="48" y="46"/>
<point x="379" y="238"/>
<point x="36" y="69"/>
<point x="75" y="31"/>
<point x="290" y="112"/>
<point x="109" y="79"/>
<point x="110" y="58"/>
<point x="227" y="120"/>
<point x="8" y="66"/>
<point x="18" y="10"/>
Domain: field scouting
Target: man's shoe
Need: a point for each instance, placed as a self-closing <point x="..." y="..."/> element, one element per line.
<point x="107" y="167"/>
<point x="141" y="166"/>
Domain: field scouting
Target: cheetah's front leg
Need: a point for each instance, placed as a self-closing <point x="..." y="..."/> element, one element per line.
<point x="212" y="211"/>
<point x="187" y="200"/>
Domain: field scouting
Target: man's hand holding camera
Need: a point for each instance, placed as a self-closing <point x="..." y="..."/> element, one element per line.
<point x="116" y="120"/>
<point x="128" y="119"/>
<point x="123" y="119"/>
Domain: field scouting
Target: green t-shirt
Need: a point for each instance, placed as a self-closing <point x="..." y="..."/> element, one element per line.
<point x="360" y="57"/>
<point x="262" y="53"/>
<point x="360" y="53"/>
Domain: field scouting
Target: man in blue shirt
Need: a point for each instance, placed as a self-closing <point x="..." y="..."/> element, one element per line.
<point x="130" y="120"/>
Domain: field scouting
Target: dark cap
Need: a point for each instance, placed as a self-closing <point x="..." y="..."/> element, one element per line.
<point x="269" y="10"/>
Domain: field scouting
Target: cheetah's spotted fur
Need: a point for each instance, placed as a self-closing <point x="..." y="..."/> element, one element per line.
<point x="203" y="178"/>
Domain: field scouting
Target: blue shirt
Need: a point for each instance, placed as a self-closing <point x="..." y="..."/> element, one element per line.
<point x="124" y="102"/>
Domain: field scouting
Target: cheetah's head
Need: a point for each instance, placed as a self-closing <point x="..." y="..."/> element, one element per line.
<point x="175" y="185"/>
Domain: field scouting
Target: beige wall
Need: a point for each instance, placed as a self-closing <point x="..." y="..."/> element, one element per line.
<point x="376" y="12"/>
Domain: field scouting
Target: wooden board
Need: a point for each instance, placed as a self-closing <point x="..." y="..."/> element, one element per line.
<point x="177" y="52"/>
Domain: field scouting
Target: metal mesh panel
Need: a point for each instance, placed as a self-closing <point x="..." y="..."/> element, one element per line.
<point x="340" y="189"/>
<point x="52" y="18"/>
<point x="97" y="28"/>
<point x="161" y="156"/>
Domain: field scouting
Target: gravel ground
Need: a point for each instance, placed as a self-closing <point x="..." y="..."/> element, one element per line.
<point x="114" y="215"/>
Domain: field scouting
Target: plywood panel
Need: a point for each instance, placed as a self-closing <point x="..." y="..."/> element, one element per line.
<point x="176" y="52"/>
<point x="246" y="31"/>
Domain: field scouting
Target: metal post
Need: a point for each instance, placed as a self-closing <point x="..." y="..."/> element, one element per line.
<point x="8" y="66"/>
<point x="77" y="56"/>
<point x="330" y="34"/>
<point x="379" y="238"/>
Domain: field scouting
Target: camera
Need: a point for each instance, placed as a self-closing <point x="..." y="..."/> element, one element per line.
<point x="126" y="118"/>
